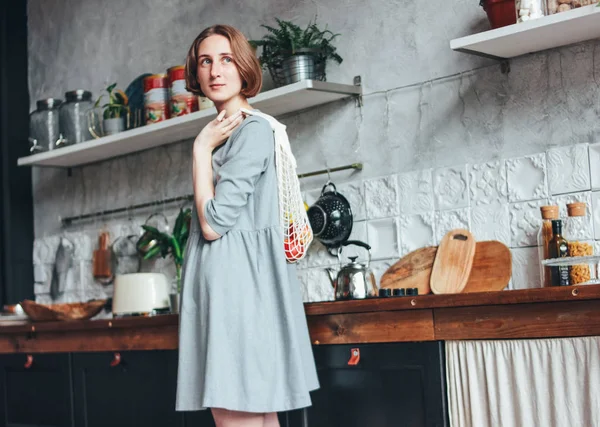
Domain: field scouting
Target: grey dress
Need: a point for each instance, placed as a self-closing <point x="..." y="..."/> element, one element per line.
<point x="243" y="338"/>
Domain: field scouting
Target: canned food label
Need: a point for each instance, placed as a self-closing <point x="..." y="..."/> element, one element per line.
<point x="155" y="105"/>
<point x="182" y="102"/>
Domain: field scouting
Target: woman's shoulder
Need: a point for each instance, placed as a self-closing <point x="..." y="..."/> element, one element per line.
<point x="255" y="123"/>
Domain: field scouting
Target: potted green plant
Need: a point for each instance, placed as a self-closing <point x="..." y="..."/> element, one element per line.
<point x="165" y="245"/>
<point x="291" y="53"/>
<point x="114" y="113"/>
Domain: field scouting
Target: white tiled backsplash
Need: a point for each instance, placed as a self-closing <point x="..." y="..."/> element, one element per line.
<point x="399" y="213"/>
<point x="498" y="200"/>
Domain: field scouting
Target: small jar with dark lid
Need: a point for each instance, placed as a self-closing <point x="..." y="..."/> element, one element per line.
<point x="399" y="292"/>
<point x="385" y="293"/>
<point x="412" y="292"/>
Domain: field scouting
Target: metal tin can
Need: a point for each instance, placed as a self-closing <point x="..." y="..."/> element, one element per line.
<point x="156" y="98"/>
<point x="182" y="102"/>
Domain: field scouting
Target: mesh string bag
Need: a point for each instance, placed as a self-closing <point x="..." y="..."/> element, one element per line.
<point x="293" y="219"/>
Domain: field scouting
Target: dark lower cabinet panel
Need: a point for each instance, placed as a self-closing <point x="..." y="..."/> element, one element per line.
<point x="37" y="396"/>
<point x="393" y="385"/>
<point x="139" y="391"/>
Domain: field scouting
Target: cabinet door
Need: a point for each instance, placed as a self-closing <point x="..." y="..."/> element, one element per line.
<point x="392" y="385"/>
<point x="38" y="395"/>
<point x="139" y="391"/>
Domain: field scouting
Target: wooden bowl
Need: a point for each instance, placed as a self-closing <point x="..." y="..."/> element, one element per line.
<point x="68" y="311"/>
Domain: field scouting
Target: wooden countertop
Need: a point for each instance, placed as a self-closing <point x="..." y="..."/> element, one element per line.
<point x="531" y="313"/>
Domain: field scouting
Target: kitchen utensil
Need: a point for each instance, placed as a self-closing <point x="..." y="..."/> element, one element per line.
<point x="412" y="271"/>
<point x="354" y="280"/>
<point x="492" y="267"/>
<point x="491" y="270"/>
<point x="453" y="262"/>
<point x="125" y="256"/>
<point x="102" y="260"/>
<point x="330" y="217"/>
<point x="63" y="264"/>
<point x="140" y="294"/>
<point x="71" y="311"/>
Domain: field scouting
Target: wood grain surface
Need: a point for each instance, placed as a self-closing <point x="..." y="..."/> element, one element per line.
<point x="453" y="262"/>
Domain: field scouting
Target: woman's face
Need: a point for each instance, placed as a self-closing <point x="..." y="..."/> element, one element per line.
<point x="217" y="73"/>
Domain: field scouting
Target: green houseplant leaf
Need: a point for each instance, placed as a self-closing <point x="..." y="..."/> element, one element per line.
<point x="289" y="39"/>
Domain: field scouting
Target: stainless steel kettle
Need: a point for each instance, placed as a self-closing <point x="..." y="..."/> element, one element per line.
<point x="354" y="280"/>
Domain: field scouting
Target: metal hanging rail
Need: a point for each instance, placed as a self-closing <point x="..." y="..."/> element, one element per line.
<point x="190" y="197"/>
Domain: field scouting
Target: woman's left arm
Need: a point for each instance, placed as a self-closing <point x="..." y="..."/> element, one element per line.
<point x="243" y="164"/>
<point x="211" y="136"/>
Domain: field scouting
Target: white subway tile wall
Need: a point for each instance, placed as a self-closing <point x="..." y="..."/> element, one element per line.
<point x="397" y="214"/>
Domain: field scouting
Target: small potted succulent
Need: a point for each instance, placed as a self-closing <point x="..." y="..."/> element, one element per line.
<point x="165" y="245"/>
<point x="114" y="114"/>
<point x="291" y="53"/>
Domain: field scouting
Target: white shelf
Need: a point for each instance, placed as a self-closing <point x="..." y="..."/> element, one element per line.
<point x="548" y="32"/>
<point x="276" y="102"/>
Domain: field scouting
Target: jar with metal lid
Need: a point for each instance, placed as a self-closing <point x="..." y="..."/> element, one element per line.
<point x="43" y="125"/>
<point x="73" y="116"/>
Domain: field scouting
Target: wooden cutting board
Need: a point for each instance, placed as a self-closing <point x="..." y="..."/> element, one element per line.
<point x="453" y="262"/>
<point x="491" y="270"/>
<point x="492" y="267"/>
<point x="412" y="271"/>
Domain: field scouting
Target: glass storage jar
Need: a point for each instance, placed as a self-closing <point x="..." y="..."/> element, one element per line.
<point x="530" y="9"/>
<point x="575" y="226"/>
<point x="543" y="240"/>
<point x="556" y="6"/>
<point x="73" y="117"/>
<point x="43" y="125"/>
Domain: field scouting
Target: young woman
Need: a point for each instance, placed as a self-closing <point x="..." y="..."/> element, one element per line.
<point x="244" y="349"/>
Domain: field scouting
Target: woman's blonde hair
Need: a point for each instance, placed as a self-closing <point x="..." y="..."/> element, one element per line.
<point x="244" y="58"/>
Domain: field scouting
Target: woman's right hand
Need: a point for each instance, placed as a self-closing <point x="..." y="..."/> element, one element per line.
<point x="218" y="130"/>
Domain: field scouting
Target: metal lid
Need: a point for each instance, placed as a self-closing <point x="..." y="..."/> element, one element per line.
<point x="78" y="95"/>
<point x="48" y="103"/>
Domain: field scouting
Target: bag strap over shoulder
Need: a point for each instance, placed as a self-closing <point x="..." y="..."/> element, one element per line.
<point x="279" y="129"/>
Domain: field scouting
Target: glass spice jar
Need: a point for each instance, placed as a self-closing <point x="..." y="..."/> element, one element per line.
<point x="530" y="9"/>
<point x="543" y="240"/>
<point x="574" y="226"/>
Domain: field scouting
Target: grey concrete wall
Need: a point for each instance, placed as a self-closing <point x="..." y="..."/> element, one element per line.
<point x="470" y="112"/>
<point x="425" y="106"/>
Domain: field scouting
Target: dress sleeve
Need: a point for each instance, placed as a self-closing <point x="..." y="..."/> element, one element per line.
<point x="243" y="164"/>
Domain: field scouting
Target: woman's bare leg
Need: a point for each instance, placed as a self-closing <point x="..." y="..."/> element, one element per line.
<point x="227" y="418"/>
<point x="271" y="420"/>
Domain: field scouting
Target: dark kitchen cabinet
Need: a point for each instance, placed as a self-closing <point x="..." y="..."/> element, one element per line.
<point x="392" y="385"/>
<point x="138" y="391"/>
<point x="38" y="395"/>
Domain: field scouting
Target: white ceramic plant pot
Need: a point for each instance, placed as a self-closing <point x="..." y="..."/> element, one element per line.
<point x="112" y="126"/>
